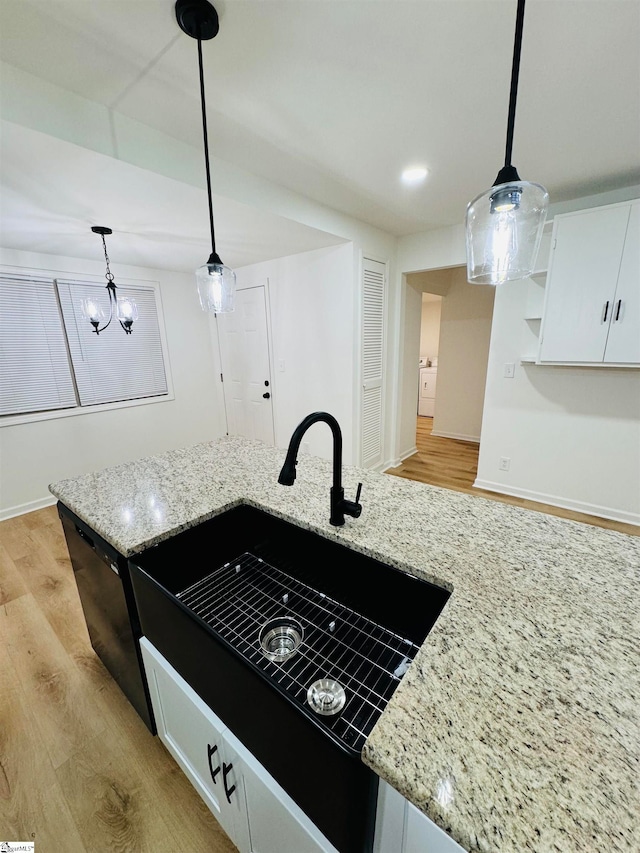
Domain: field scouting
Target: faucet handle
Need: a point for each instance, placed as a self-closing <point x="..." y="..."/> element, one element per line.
<point x="353" y="508"/>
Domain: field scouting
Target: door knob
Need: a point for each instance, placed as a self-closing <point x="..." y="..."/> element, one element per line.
<point x="266" y="395"/>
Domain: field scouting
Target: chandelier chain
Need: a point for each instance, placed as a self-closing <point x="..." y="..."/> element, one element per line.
<point x="108" y="274"/>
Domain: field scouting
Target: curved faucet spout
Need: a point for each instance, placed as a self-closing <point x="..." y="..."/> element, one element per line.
<point x="339" y="506"/>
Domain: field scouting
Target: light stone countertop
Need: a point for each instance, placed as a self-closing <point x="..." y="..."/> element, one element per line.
<point x="517" y="726"/>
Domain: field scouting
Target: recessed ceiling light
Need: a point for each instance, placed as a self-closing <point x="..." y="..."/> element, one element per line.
<point x="414" y="175"/>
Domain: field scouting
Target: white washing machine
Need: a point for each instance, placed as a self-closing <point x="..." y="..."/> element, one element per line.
<point x="427" y="391"/>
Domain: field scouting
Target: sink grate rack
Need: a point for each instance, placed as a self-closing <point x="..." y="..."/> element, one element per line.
<point x="367" y="659"/>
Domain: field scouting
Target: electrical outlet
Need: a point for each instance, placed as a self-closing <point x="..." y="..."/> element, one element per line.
<point x="505" y="463"/>
<point x="509" y="370"/>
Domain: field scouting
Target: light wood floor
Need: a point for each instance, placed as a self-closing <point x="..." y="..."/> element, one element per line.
<point x="79" y="771"/>
<point x="453" y="464"/>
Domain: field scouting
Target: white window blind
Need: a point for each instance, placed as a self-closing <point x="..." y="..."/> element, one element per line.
<point x="112" y="366"/>
<point x="35" y="374"/>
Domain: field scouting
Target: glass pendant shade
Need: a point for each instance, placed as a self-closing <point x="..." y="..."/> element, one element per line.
<point x="127" y="310"/>
<point x="216" y="287"/>
<point x="92" y="310"/>
<point x="503" y="231"/>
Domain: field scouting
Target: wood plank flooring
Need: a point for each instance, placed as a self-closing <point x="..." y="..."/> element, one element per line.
<point x="79" y="771"/>
<point x="453" y="464"/>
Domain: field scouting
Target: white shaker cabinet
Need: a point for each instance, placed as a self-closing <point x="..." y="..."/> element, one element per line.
<point x="623" y="343"/>
<point x="402" y="828"/>
<point x="251" y="807"/>
<point x="592" y="303"/>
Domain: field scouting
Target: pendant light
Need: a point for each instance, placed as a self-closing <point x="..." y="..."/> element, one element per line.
<point x="216" y="282"/>
<point x="125" y="308"/>
<point x="504" y="224"/>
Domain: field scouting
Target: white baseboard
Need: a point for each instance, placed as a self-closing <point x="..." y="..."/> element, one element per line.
<point x="22" y="509"/>
<point x="397" y="462"/>
<point x="457" y="435"/>
<point x="565" y="503"/>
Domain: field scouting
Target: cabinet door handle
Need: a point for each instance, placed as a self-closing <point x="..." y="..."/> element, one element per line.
<point x="226" y="769"/>
<point x="617" y="317"/>
<point x="606" y="311"/>
<point x="210" y="751"/>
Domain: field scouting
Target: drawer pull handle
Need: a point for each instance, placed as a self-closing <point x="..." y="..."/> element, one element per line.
<point x="214" y="773"/>
<point x="606" y="311"/>
<point x="618" y="310"/>
<point x="226" y="769"/>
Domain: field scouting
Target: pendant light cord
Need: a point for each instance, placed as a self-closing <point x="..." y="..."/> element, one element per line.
<point x="515" y="73"/>
<point x="206" y="148"/>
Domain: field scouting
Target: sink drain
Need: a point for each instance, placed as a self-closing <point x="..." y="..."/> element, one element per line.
<point x="326" y="697"/>
<point x="280" y="638"/>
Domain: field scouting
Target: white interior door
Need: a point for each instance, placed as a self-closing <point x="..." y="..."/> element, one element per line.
<point x="373" y="327"/>
<point x="244" y="354"/>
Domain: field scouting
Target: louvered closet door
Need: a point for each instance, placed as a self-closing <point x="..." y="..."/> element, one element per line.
<point x="372" y="361"/>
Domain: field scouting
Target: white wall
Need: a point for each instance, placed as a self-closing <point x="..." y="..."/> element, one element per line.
<point x="465" y="331"/>
<point x="312" y="299"/>
<point x="572" y="434"/>
<point x="430" y="327"/>
<point x="35" y="454"/>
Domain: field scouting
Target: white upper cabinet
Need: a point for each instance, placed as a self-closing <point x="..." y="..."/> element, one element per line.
<point x="592" y="304"/>
<point x="623" y="343"/>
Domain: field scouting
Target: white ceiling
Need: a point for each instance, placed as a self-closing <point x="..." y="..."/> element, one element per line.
<point x="333" y="98"/>
<point x="53" y="192"/>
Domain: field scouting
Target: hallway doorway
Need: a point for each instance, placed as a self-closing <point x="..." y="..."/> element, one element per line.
<point x="446" y="462"/>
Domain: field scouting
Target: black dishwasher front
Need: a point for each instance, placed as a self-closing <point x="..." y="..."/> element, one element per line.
<point x="104" y="585"/>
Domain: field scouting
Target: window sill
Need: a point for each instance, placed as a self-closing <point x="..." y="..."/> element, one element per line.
<point x="53" y="414"/>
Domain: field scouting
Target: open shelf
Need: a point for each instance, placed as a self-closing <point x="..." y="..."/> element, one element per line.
<point x="534" y="303"/>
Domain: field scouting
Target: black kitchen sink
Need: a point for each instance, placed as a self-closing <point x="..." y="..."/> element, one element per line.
<point x="296" y="642"/>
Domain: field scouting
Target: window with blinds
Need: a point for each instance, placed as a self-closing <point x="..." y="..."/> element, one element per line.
<point x="112" y="367"/>
<point x="50" y="358"/>
<point x="35" y="374"/>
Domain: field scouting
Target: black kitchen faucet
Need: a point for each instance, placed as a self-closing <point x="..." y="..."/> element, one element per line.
<point x="339" y="506"/>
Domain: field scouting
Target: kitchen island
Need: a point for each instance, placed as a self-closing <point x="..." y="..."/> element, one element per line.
<point x="517" y="726"/>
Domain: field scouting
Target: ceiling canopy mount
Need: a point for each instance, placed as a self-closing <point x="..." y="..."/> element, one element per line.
<point x="197" y="18"/>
